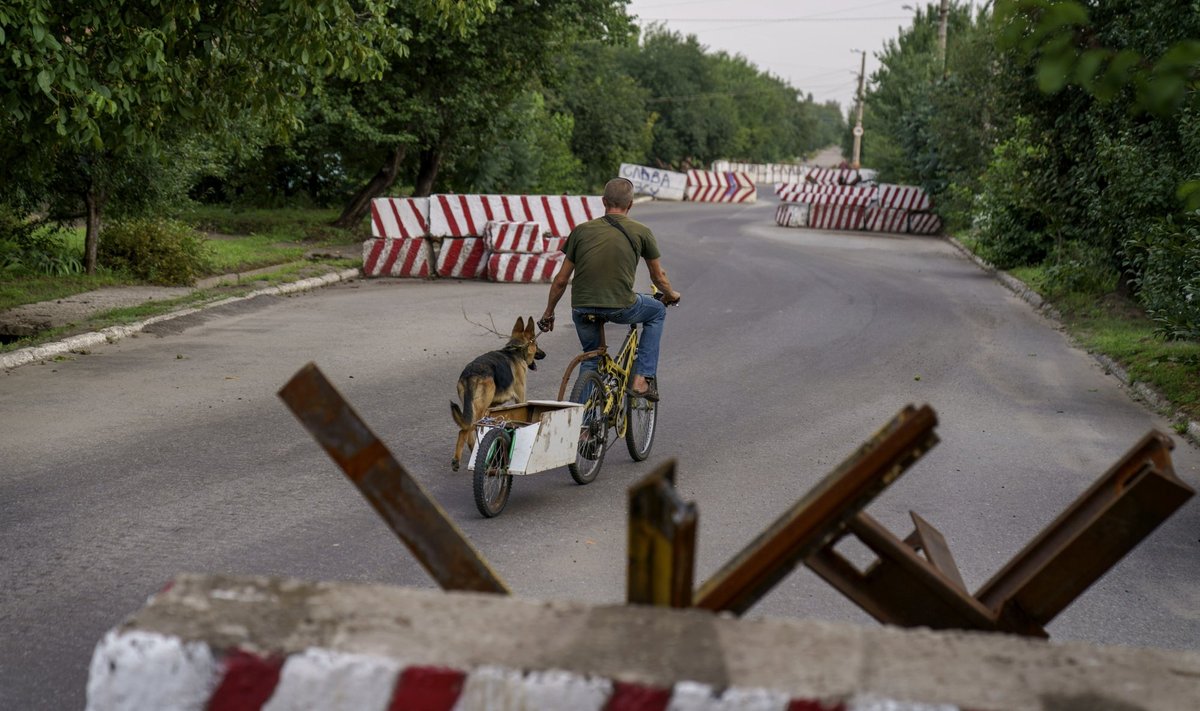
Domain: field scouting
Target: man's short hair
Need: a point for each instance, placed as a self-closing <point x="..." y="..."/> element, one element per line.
<point x="618" y="193"/>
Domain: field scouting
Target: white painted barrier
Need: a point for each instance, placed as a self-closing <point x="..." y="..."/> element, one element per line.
<point x="467" y="215"/>
<point x="763" y="173"/>
<point x="904" y="197"/>
<point x="400" y="218"/>
<point x="513" y="268"/>
<point x="224" y="643"/>
<point x="523" y="237"/>
<point x="656" y="182"/>
<point x="792" y="215"/>
<point x="885" y="219"/>
<point x="462" y="258"/>
<point x="396" y="257"/>
<point x="836" y="217"/>
<point x="709" y="186"/>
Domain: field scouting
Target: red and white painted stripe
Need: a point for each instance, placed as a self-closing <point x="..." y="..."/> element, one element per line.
<point x="884" y="219"/>
<point x="554" y="244"/>
<point x="400" y="218"/>
<point x="396" y="257"/>
<point x="825" y="194"/>
<point x="512" y="268"/>
<point x="792" y="214"/>
<point x="137" y="670"/>
<point x="468" y="215"/>
<point x="524" y="237"/>
<point x="462" y="258"/>
<point x="904" y="197"/>
<point x="834" y="176"/>
<point x="711" y="186"/>
<point x="764" y="172"/>
<point x="836" y="217"/>
<point x="924" y="223"/>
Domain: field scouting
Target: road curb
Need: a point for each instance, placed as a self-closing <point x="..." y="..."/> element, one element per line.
<point x="1147" y="394"/>
<point x="112" y="334"/>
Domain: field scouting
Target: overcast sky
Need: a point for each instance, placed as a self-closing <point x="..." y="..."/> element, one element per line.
<point x="809" y="43"/>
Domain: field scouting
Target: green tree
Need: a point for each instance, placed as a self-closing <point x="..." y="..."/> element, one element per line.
<point x="93" y="88"/>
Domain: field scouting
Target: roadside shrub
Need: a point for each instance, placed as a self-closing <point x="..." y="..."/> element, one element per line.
<point x="1168" y="261"/>
<point x="156" y="250"/>
<point x="31" y="247"/>
<point x="1010" y="221"/>
<point x="1079" y="268"/>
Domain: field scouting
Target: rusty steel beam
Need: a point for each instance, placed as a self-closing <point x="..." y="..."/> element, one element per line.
<point x="413" y="515"/>
<point x="925" y="538"/>
<point x="822" y="514"/>
<point x="1107" y="521"/>
<point x="900" y="588"/>
<point x="662" y="542"/>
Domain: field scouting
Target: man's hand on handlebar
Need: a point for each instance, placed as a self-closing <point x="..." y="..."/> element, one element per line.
<point x="668" y="299"/>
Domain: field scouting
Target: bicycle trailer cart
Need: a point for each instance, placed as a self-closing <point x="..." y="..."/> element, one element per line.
<point x="518" y="440"/>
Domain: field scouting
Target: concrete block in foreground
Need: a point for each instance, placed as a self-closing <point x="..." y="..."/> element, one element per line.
<point x="223" y="643"/>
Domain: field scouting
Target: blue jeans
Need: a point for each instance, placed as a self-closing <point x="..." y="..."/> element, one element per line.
<point x="646" y="310"/>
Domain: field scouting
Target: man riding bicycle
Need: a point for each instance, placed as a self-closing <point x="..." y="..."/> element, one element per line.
<point x="603" y="254"/>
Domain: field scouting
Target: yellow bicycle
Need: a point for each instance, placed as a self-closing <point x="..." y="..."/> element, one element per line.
<point x="609" y="410"/>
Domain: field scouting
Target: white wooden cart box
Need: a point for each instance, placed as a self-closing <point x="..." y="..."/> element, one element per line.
<point x="546" y="434"/>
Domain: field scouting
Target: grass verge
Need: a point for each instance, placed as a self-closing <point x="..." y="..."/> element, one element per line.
<point x="126" y="315"/>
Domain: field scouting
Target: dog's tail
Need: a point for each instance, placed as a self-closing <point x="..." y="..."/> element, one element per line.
<point x="463" y="419"/>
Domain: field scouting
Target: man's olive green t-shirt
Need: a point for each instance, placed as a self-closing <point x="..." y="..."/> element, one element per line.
<point x="605" y="263"/>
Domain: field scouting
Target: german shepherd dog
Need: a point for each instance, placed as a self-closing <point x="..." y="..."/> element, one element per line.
<point x="492" y="379"/>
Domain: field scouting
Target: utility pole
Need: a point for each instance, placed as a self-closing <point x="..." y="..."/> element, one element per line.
<point x="943" y="16"/>
<point x="858" y="127"/>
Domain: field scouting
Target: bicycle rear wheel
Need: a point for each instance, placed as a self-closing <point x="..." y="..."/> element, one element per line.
<point x="593" y="434"/>
<point x="492" y="480"/>
<point x="641" y="417"/>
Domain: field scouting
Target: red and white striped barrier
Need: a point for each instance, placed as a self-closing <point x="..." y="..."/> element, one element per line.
<point x="924" y="223"/>
<point x="396" y="257"/>
<point x="862" y="199"/>
<point x="805" y="192"/>
<point x="792" y="214"/>
<point x="764" y="172"/>
<point x="523" y="237"/>
<point x="467" y="215"/>
<point x="554" y="244"/>
<point x="136" y="670"/>
<point x="710" y="186"/>
<point x="400" y="218"/>
<point x="462" y="258"/>
<point x="885" y="219"/>
<point x="904" y="197"/>
<point x="834" y="176"/>
<point x="836" y="217"/>
<point x="513" y="268"/>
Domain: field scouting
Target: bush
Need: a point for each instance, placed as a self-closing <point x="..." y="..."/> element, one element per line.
<point x="1010" y="219"/>
<point x="1079" y="268"/>
<point x="1168" y="261"/>
<point x="156" y="250"/>
<point x="31" y="247"/>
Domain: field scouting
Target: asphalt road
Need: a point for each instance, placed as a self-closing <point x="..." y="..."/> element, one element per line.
<point x="171" y="451"/>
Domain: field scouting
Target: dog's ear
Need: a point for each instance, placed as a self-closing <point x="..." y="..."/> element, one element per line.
<point x="529" y="332"/>
<point x="518" y="327"/>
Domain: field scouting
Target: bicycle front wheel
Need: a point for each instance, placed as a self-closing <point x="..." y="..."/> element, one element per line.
<point x="593" y="434"/>
<point x="492" y="480"/>
<point x="641" y="417"/>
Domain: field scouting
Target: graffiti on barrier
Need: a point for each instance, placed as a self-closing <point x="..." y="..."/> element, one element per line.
<point x="661" y="184"/>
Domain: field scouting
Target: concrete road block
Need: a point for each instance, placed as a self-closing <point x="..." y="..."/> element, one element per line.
<point x="400" y="218"/>
<point x="223" y="642"/>
<point x="397" y="258"/>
